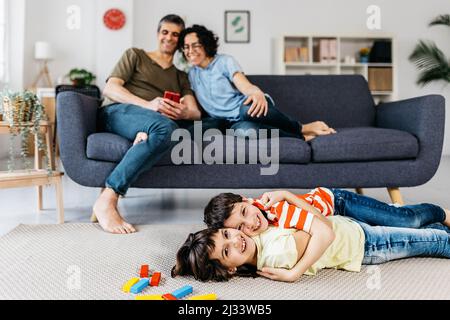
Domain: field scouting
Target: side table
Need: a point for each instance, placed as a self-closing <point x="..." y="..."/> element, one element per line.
<point x="38" y="176"/>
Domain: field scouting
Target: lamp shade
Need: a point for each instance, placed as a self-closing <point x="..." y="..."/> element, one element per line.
<point x="42" y="51"/>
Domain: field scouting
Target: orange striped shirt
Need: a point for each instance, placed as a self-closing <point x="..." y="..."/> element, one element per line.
<point x="285" y="215"/>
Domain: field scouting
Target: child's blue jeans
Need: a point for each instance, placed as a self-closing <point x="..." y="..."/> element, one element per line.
<point x="394" y="232"/>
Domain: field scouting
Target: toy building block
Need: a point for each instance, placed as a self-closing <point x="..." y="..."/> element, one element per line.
<point x="210" y="296"/>
<point x="155" y="279"/>
<point x="138" y="287"/>
<point x="168" y="296"/>
<point x="183" y="291"/>
<point x="127" y="286"/>
<point x="150" y="297"/>
<point x="144" y="271"/>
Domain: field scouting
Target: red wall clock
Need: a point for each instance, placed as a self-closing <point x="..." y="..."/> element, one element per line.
<point x="114" y="19"/>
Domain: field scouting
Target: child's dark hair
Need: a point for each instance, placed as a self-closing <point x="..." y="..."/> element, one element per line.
<point x="193" y="259"/>
<point x="207" y="39"/>
<point x="219" y="209"/>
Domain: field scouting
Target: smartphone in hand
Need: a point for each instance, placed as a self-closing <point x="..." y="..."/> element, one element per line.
<point x="174" y="96"/>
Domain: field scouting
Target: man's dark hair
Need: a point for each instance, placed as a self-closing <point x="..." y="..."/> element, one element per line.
<point x="207" y="39"/>
<point x="193" y="259"/>
<point x="219" y="209"/>
<point x="171" y="18"/>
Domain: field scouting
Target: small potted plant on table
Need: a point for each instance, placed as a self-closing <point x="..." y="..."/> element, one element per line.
<point x="81" y="77"/>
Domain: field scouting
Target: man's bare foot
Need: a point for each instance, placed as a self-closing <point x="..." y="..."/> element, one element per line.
<point x="447" y="218"/>
<point x="141" y="136"/>
<point x="105" y="209"/>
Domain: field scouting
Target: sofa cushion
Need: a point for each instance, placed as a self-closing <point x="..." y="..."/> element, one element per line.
<point x="111" y="147"/>
<point x="364" y="144"/>
<point x="107" y="146"/>
<point x="341" y="101"/>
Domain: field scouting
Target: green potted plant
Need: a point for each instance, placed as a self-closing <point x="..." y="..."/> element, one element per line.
<point x="81" y="77"/>
<point x="23" y="111"/>
<point x="429" y="59"/>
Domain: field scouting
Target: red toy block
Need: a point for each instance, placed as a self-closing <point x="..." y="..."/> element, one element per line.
<point x="154" y="282"/>
<point x="144" y="271"/>
<point x="168" y="296"/>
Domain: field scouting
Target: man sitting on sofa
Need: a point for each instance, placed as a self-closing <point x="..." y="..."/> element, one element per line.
<point x="134" y="104"/>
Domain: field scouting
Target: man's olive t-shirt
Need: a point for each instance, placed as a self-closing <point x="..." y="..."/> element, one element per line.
<point x="147" y="79"/>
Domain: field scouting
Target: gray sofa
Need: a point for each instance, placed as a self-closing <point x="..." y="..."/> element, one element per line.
<point x="395" y="144"/>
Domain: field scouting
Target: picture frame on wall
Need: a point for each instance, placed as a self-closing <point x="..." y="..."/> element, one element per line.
<point x="237" y="26"/>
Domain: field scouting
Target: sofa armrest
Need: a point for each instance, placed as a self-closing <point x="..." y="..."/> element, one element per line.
<point x="422" y="116"/>
<point x="76" y="116"/>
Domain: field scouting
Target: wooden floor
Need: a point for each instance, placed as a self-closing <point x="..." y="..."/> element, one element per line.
<point x="182" y="206"/>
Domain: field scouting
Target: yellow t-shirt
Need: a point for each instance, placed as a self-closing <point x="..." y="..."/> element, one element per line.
<point x="276" y="248"/>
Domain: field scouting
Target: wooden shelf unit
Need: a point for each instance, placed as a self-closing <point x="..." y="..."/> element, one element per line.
<point x="288" y="60"/>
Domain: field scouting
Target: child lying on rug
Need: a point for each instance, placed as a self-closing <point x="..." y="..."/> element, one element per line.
<point x="334" y="242"/>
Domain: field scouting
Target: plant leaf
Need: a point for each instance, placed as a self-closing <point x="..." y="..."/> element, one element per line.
<point x="431" y="62"/>
<point x="443" y="19"/>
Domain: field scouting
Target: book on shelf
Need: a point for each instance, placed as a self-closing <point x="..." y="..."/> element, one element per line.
<point x="296" y="54"/>
<point x="332" y="50"/>
<point x="325" y="51"/>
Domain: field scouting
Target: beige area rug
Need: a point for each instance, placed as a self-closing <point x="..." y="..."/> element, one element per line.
<point x="79" y="261"/>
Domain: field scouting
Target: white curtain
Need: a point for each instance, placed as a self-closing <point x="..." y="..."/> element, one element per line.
<point x="4" y="76"/>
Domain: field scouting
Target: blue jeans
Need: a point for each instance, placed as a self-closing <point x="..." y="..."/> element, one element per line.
<point x="127" y="120"/>
<point x="395" y="232"/>
<point x="274" y="119"/>
<point x="377" y="213"/>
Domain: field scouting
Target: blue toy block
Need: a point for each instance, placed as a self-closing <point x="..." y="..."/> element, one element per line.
<point x="138" y="287"/>
<point x="183" y="291"/>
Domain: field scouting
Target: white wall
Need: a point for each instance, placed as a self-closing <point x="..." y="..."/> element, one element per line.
<point x="46" y="21"/>
<point x="407" y="20"/>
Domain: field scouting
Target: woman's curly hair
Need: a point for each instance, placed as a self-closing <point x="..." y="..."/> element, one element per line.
<point x="206" y="38"/>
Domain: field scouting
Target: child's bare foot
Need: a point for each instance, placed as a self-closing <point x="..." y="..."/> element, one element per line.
<point x="141" y="136"/>
<point x="447" y="218"/>
<point x="105" y="209"/>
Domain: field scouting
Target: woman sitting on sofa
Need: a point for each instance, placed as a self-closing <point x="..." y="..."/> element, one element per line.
<point x="225" y="93"/>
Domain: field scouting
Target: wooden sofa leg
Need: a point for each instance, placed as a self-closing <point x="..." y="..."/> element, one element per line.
<point x="396" y="196"/>
<point x="359" y="191"/>
<point x="94" y="218"/>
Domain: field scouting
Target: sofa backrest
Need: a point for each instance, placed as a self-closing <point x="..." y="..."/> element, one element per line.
<point x="339" y="100"/>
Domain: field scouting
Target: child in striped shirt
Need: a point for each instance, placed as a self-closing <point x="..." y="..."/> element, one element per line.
<point x="279" y="208"/>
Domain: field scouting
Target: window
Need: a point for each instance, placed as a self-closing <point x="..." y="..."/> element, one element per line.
<point x="3" y="42"/>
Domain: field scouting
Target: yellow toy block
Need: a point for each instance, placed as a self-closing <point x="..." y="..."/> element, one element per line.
<point x="127" y="286"/>
<point x="150" y="297"/>
<point x="210" y="296"/>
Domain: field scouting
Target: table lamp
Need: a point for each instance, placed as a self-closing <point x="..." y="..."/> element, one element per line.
<point x="43" y="53"/>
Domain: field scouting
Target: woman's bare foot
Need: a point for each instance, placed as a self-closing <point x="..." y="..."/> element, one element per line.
<point x="447" y="218"/>
<point x="105" y="209"/>
<point x="141" y="136"/>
